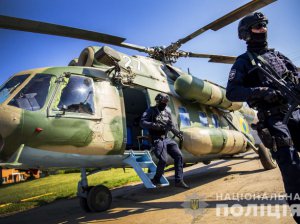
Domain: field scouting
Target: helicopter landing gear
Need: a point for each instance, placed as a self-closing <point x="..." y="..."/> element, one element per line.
<point x="93" y="198"/>
<point x="266" y="158"/>
<point x="83" y="201"/>
<point x="99" y="199"/>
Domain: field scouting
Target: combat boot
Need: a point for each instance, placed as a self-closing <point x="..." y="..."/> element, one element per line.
<point x="156" y="182"/>
<point x="182" y="184"/>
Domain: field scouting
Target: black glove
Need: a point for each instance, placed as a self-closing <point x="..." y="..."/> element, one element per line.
<point x="269" y="95"/>
<point x="180" y="136"/>
<point x="274" y="96"/>
<point x="157" y="126"/>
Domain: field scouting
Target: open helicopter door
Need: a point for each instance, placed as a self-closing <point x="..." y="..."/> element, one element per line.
<point x="135" y="103"/>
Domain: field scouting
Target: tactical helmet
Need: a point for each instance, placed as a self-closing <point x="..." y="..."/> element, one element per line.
<point x="162" y="98"/>
<point x="245" y="24"/>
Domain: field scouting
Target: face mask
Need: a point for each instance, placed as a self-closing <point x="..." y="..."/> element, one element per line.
<point x="161" y="106"/>
<point x="257" y="42"/>
<point x="258" y="37"/>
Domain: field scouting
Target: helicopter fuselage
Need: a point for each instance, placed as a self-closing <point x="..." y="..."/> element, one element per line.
<point x="88" y="116"/>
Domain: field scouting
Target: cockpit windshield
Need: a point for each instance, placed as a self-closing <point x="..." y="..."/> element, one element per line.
<point x="33" y="96"/>
<point x="7" y="89"/>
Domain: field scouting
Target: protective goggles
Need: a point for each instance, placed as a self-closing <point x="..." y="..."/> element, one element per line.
<point x="164" y="100"/>
<point x="260" y="25"/>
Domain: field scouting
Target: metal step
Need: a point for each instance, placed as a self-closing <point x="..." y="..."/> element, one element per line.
<point x="140" y="160"/>
<point x="147" y="164"/>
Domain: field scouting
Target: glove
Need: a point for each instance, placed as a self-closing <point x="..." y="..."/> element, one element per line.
<point x="274" y="96"/>
<point x="157" y="126"/>
<point x="269" y="95"/>
<point x="180" y="136"/>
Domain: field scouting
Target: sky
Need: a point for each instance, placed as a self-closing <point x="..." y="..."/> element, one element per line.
<point x="141" y="22"/>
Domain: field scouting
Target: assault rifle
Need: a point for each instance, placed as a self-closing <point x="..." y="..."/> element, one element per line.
<point x="289" y="87"/>
<point x="168" y="126"/>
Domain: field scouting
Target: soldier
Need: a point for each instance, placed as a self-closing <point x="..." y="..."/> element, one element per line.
<point x="162" y="144"/>
<point x="248" y="83"/>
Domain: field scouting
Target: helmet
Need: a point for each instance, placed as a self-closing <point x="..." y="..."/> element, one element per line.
<point x="162" y="98"/>
<point x="248" y="21"/>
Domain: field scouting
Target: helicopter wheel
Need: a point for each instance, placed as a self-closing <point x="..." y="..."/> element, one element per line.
<point x="83" y="202"/>
<point x="266" y="158"/>
<point x="99" y="199"/>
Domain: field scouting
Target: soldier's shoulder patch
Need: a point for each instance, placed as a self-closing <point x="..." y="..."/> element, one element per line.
<point x="232" y="74"/>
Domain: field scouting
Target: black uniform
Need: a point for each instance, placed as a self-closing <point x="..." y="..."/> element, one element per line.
<point x="162" y="144"/>
<point x="248" y="84"/>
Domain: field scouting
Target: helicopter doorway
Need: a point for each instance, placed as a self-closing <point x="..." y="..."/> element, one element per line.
<point x="135" y="101"/>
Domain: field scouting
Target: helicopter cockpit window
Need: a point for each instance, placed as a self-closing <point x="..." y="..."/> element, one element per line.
<point x="184" y="117"/>
<point x="77" y="95"/>
<point x="203" y="119"/>
<point x="7" y="89"/>
<point x="33" y="96"/>
<point x="215" y="121"/>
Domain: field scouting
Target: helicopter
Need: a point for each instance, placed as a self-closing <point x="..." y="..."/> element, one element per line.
<point x="86" y="114"/>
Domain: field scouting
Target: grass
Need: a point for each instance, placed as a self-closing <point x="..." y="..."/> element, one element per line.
<point x="55" y="187"/>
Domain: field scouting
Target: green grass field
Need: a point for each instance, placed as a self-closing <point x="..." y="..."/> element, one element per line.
<point x="62" y="186"/>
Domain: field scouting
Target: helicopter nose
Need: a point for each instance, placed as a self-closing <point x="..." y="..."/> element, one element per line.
<point x="10" y="131"/>
<point x="10" y="120"/>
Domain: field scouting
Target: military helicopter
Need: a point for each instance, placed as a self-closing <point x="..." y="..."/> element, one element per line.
<point x="86" y="114"/>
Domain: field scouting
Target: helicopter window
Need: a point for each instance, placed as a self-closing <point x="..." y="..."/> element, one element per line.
<point x="184" y="117"/>
<point x="33" y="96"/>
<point x="203" y="119"/>
<point x="77" y="96"/>
<point x="215" y="120"/>
<point x="7" y="89"/>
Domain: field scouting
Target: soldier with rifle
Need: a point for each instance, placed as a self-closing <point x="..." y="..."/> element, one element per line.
<point x="158" y="121"/>
<point x="268" y="81"/>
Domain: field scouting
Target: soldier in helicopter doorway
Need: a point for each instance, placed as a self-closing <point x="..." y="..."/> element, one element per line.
<point x="158" y="121"/>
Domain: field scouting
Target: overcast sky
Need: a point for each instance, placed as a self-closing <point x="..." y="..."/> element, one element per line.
<point x="146" y="23"/>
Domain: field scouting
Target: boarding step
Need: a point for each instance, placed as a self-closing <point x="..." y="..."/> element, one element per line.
<point x="142" y="159"/>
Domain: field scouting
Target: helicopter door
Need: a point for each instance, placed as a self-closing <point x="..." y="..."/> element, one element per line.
<point x="135" y="102"/>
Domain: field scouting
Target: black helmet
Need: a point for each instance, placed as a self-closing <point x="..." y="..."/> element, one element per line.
<point x="162" y="98"/>
<point x="248" y="21"/>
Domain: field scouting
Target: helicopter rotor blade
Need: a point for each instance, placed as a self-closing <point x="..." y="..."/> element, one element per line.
<point x="213" y="57"/>
<point x="13" y="23"/>
<point x="223" y="21"/>
<point x="136" y="47"/>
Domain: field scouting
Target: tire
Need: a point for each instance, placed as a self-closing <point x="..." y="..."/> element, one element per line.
<point x="266" y="158"/>
<point x="83" y="202"/>
<point x="99" y="199"/>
